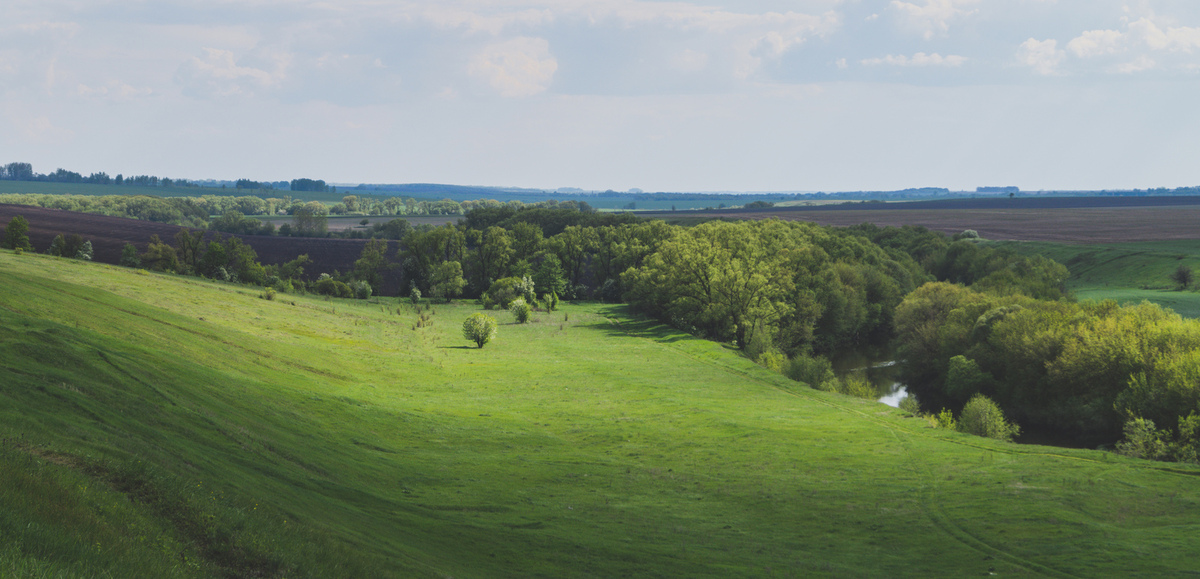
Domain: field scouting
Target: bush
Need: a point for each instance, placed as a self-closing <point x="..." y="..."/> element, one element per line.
<point x="479" y="328"/>
<point x="85" y="253"/>
<point x="362" y="290"/>
<point x="520" y="310"/>
<point x="414" y="295"/>
<point x="813" y="371"/>
<point x="268" y="294"/>
<point x="1142" y="440"/>
<point x="910" y="405"/>
<point x="943" y="419"/>
<point x="982" y="417"/>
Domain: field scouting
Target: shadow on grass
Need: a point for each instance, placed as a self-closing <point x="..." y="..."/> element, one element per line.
<point x="457" y="348"/>
<point x="623" y="321"/>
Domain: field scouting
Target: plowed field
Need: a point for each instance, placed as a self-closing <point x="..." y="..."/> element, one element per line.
<point x="1101" y="220"/>
<point x="109" y="234"/>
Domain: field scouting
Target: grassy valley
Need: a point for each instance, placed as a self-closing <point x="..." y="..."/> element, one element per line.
<point x="170" y="426"/>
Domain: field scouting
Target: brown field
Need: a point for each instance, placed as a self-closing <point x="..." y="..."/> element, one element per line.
<point x="109" y="234"/>
<point x="1073" y="225"/>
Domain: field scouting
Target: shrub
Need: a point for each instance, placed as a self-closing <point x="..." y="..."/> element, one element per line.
<point x="479" y="328"/>
<point x="1141" y="440"/>
<point x="858" y="386"/>
<point x="85" y="252"/>
<point x="268" y="294"/>
<point x="504" y="290"/>
<point x="362" y="290"/>
<point x="910" y="405"/>
<point x="982" y="417"/>
<point x="414" y="295"/>
<point x="943" y="419"/>
<point x="520" y="310"/>
<point x="813" y="371"/>
<point x="773" y="360"/>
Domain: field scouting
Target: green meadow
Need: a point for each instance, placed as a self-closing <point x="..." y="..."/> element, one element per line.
<point x="1125" y="272"/>
<point x="162" y="426"/>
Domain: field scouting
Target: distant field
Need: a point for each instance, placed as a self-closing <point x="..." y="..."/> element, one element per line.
<point x="1071" y="219"/>
<point x="154" y="425"/>
<point x="43" y="188"/>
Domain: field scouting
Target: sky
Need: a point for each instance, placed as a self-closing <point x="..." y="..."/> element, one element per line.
<point x="755" y="95"/>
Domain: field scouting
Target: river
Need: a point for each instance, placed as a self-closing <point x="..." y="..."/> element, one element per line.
<point x="879" y="366"/>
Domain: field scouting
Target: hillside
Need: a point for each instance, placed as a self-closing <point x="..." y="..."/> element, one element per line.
<point x="1125" y="272"/>
<point x="154" y="425"/>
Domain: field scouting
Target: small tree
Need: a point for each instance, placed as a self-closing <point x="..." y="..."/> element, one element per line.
<point x="520" y="310"/>
<point x="57" y="245"/>
<point x="982" y="417"/>
<point x="129" y="256"/>
<point x="16" y="235"/>
<point x="1183" y="276"/>
<point x="85" y="253"/>
<point x="362" y="289"/>
<point x="479" y="328"/>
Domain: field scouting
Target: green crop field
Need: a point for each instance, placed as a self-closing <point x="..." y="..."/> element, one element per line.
<point x="1126" y="272"/>
<point x="160" y="426"/>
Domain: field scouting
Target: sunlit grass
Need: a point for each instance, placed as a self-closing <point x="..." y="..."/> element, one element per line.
<point x="304" y="436"/>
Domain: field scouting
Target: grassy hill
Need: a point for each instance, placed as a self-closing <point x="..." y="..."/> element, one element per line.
<point x="170" y="427"/>
<point x="1126" y="272"/>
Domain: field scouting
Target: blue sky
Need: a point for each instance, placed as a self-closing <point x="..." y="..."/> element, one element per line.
<point x="799" y="95"/>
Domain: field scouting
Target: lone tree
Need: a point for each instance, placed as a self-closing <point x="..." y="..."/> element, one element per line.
<point x="479" y="328"/>
<point x="1183" y="276"/>
<point x="16" y="235"/>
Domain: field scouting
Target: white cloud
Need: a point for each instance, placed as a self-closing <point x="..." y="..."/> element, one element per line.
<point x="1173" y="39"/>
<point x="1096" y="42"/>
<point x="1138" y="64"/>
<point x="516" y="68"/>
<point x="933" y="18"/>
<point x="918" y="59"/>
<point x="219" y="74"/>
<point x="1043" y="56"/>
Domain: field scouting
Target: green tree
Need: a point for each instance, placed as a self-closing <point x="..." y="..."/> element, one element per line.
<point x="479" y="328"/>
<point x="311" y="219"/>
<point x="57" y="245"/>
<point x="16" y="234"/>
<point x="372" y="263"/>
<point x="188" y="246"/>
<point x="548" y="278"/>
<point x="159" y="256"/>
<point x="1183" y="276"/>
<point x="129" y="256"/>
<point x="448" y="280"/>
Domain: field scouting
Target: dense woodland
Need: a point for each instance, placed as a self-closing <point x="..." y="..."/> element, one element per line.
<point x="969" y="320"/>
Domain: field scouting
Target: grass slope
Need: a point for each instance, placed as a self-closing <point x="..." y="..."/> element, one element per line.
<point x="1125" y="272"/>
<point x="162" y="426"/>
